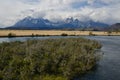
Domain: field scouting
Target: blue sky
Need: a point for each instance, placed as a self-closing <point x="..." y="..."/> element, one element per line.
<point x="107" y="11"/>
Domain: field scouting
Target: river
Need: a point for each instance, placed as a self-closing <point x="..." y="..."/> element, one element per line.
<point x="108" y="67"/>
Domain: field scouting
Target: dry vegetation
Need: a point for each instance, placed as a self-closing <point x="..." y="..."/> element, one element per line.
<point x="53" y="32"/>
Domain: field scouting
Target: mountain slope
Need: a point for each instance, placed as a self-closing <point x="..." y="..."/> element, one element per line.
<point x="115" y="27"/>
<point x="69" y="23"/>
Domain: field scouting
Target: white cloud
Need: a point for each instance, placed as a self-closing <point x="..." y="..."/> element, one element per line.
<point x="98" y="10"/>
<point x="111" y="1"/>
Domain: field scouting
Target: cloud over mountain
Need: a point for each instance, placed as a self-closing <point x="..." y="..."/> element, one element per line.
<point x="106" y="11"/>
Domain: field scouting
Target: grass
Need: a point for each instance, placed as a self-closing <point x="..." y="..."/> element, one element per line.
<point x="53" y="33"/>
<point x="51" y="59"/>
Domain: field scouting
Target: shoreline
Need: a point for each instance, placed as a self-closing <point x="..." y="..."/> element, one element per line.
<point x="42" y="33"/>
<point x="51" y="35"/>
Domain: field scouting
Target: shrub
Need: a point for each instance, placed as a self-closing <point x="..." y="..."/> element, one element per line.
<point x="64" y="34"/>
<point x="52" y="77"/>
<point x="109" y="33"/>
<point x="32" y="35"/>
<point x="91" y="34"/>
<point x="51" y="59"/>
<point x="11" y="35"/>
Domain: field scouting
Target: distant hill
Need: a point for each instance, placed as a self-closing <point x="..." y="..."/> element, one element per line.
<point x="69" y="23"/>
<point x="115" y="27"/>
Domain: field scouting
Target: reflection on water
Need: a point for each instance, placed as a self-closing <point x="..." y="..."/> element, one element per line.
<point x="109" y="65"/>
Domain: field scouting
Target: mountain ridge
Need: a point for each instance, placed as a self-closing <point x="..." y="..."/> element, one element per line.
<point x="115" y="27"/>
<point x="68" y="23"/>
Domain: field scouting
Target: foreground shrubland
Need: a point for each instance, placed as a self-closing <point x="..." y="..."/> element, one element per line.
<point x="51" y="59"/>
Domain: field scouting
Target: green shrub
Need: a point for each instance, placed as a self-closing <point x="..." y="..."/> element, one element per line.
<point x="51" y="59"/>
<point x="33" y="35"/>
<point x="91" y="34"/>
<point x="109" y="33"/>
<point x="64" y="34"/>
<point x="52" y="77"/>
<point x="11" y="35"/>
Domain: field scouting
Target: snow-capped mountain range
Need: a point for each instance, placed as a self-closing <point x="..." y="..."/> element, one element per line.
<point x="69" y="23"/>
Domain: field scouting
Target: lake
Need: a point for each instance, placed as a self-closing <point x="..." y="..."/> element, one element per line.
<point x="108" y="67"/>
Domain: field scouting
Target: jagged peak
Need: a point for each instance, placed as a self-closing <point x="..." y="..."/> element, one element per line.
<point x="67" y="23"/>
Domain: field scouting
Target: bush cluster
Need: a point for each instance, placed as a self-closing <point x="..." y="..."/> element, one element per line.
<point x="91" y="34"/>
<point x="51" y="59"/>
<point x="64" y="34"/>
<point x="11" y="35"/>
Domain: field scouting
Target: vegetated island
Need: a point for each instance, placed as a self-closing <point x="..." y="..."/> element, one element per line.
<point x="50" y="59"/>
<point x="37" y="33"/>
